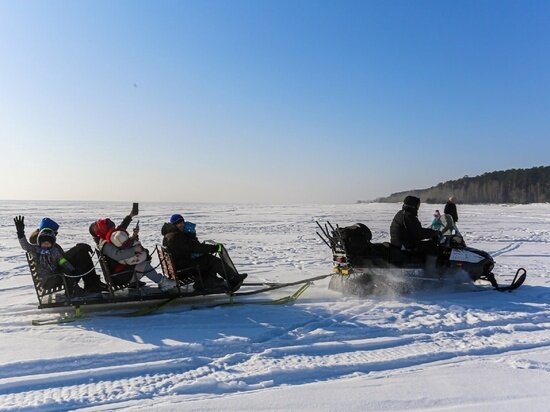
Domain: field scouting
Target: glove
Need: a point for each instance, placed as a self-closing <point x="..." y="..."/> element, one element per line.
<point x="20" y="226"/>
<point x="220" y="248"/>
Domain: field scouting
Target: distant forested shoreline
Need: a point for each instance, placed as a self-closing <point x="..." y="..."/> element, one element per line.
<point x="507" y="186"/>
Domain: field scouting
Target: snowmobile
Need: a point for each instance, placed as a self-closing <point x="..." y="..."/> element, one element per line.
<point x="363" y="268"/>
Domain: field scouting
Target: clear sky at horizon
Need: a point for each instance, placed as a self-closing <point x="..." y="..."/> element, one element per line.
<point x="267" y="101"/>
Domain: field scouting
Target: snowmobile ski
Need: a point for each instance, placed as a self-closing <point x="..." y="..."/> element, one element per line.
<point x="519" y="278"/>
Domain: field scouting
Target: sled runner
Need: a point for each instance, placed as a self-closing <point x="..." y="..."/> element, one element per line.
<point x="362" y="268"/>
<point x="123" y="288"/>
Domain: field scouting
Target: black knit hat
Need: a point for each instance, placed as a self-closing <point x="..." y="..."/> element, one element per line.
<point x="412" y="201"/>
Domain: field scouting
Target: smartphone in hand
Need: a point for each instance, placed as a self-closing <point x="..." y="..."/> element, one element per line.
<point x="136" y="230"/>
<point x="135" y="209"/>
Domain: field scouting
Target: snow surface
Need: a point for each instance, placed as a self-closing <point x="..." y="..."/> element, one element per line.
<point x="438" y="350"/>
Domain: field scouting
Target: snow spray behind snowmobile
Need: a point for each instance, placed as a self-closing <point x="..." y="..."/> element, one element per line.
<point x="363" y="268"/>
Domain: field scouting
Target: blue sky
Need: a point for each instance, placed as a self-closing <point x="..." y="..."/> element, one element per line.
<point x="267" y="101"/>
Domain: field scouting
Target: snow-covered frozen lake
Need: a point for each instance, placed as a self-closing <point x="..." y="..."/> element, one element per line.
<point x="457" y="351"/>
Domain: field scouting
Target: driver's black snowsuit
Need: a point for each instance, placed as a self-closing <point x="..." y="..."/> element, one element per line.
<point x="406" y="230"/>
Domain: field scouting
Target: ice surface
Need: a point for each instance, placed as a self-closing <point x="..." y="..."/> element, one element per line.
<point x="429" y="351"/>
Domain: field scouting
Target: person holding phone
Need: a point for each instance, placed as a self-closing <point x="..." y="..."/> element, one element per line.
<point x="124" y="252"/>
<point x="122" y="239"/>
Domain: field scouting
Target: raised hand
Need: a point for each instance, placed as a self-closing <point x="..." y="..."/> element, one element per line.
<point x="20" y="226"/>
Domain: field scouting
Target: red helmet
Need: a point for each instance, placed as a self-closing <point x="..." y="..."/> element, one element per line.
<point x="103" y="228"/>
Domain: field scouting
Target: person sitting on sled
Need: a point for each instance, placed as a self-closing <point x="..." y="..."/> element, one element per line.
<point x="49" y="258"/>
<point x="191" y="257"/>
<point x="406" y="231"/>
<point x="123" y="225"/>
<point x="119" y="257"/>
<point x="122" y="239"/>
<point x="79" y="256"/>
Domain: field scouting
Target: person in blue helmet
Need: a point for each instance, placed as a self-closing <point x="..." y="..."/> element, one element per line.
<point x="50" y="259"/>
<point x="191" y="257"/>
<point x="79" y="256"/>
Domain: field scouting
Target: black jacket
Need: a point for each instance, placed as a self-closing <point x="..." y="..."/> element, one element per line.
<point x="450" y="209"/>
<point x="406" y="230"/>
<point x="181" y="245"/>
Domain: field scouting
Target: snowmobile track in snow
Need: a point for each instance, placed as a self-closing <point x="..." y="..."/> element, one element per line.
<point x="295" y="354"/>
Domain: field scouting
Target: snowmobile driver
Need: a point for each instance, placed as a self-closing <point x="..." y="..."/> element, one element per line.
<point x="407" y="232"/>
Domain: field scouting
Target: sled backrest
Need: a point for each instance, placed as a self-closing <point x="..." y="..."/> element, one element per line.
<point x="41" y="292"/>
<point x="115" y="280"/>
<point x="166" y="263"/>
<point x="184" y="277"/>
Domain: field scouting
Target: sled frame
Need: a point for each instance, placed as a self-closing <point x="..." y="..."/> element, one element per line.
<point x="111" y="277"/>
<point x="169" y="269"/>
<point x="43" y="292"/>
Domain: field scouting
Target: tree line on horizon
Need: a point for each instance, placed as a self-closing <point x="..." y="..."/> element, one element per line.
<point x="508" y="186"/>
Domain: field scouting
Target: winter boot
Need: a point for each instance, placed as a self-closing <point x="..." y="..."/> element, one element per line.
<point x="95" y="286"/>
<point x="167" y="285"/>
<point x="236" y="281"/>
<point x="211" y="285"/>
<point x="77" y="292"/>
